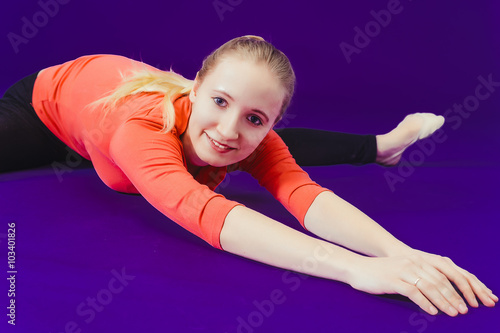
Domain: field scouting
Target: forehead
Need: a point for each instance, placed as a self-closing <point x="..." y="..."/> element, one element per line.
<point x="247" y="82"/>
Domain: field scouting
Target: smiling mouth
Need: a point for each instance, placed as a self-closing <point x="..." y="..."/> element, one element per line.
<point x="219" y="146"/>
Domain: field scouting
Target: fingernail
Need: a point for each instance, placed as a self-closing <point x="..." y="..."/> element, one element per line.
<point x="475" y="303"/>
<point x="452" y="311"/>
<point x="433" y="310"/>
<point x="462" y="308"/>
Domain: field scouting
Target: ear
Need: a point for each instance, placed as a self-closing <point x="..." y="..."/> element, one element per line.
<point x="192" y="94"/>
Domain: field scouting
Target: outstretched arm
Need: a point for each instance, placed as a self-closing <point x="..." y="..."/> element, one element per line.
<point x="334" y="219"/>
<point x="255" y="236"/>
<point x="252" y="235"/>
<point x="424" y="278"/>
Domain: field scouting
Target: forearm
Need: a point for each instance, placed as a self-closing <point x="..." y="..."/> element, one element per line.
<point x="252" y="235"/>
<point x="334" y="219"/>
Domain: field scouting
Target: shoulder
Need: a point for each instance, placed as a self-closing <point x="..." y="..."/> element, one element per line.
<point x="102" y="63"/>
<point x="271" y="141"/>
<point x="182" y="107"/>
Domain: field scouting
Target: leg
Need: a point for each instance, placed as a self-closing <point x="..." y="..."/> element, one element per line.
<point x="312" y="147"/>
<point x="25" y="142"/>
<point x="316" y="147"/>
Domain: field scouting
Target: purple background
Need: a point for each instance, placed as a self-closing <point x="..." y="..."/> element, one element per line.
<point x="71" y="234"/>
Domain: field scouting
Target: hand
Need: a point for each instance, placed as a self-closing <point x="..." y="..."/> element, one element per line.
<point x="424" y="278"/>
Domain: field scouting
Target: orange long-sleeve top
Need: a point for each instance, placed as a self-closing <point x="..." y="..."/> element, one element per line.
<point x="131" y="155"/>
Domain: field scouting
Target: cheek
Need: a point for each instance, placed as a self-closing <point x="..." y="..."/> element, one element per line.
<point x="254" y="140"/>
<point x="202" y="117"/>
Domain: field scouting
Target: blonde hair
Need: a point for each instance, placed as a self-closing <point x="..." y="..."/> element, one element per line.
<point x="170" y="83"/>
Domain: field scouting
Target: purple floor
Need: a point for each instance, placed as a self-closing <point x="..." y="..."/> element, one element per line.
<point x="93" y="260"/>
<point x="89" y="259"/>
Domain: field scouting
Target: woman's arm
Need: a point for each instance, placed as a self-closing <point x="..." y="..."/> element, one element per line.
<point x="252" y="235"/>
<point x="421" y="276"/>
<point x="334" y="219"/>
<point x="255" y="236"/>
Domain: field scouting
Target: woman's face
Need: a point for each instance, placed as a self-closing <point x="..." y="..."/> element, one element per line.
<point x="232" y="111"/>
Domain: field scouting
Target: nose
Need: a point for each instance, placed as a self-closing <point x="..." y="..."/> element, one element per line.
<point x="228" y="126"/>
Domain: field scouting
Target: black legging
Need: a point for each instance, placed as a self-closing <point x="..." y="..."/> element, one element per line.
<point x="25" y="142"/>
<point x="310" y="147"/>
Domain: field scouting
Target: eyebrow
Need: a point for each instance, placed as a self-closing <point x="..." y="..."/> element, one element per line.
<point x="231" y="98"/>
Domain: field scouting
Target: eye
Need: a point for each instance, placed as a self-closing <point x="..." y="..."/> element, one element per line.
<point x="220" y="101"/>
<point x="255" y="120"/>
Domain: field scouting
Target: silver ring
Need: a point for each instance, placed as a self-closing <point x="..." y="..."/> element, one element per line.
<point x="416" y="281"/>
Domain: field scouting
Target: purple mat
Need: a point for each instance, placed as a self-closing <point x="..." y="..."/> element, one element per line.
<point x="89" y="259"/>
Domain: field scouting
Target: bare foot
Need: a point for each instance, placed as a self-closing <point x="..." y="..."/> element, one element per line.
<point x="414" y="127"/>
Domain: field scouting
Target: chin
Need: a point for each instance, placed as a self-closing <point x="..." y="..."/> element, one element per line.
<point x="218" y="162"/>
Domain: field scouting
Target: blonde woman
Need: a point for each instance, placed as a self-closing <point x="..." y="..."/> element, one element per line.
<point x="173" y="140"/>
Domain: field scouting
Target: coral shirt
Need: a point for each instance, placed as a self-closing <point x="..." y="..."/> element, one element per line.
<point x="131" y="155"/>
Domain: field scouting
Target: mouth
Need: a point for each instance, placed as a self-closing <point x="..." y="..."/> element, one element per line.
<point x="219" y="147"/>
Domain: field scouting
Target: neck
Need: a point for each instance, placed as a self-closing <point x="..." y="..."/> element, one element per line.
<point x="193" y="169"/>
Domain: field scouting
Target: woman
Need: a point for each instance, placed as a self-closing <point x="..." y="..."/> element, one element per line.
<point x="173" y="140"/>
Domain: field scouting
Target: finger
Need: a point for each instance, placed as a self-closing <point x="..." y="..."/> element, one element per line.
<point x="430" y="290"/>
<point x="470" y="285"/>
<point x="484" y="294"/>
<point x="444" y="286"/>
<point x="460" y="279"/>
<point x="416" y="296"/>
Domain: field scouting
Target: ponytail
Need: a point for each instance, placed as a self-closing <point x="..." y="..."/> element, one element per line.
<point x="168" y="83"/>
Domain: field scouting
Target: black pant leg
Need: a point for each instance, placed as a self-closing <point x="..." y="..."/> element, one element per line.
<point x="25" y="142"/>
<point x="311" y="147"/>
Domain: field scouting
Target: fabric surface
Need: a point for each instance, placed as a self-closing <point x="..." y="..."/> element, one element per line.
<point x="91" y="259"/>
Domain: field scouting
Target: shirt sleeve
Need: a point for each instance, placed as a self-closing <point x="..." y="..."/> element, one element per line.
<point x="276" y="170"/>
<point x="154" y="164"/>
